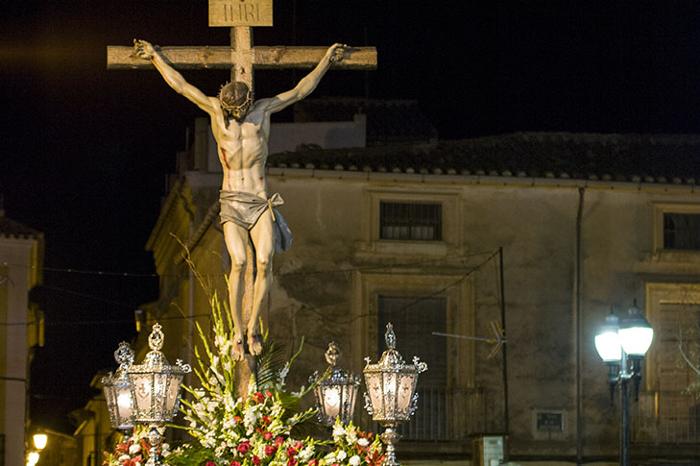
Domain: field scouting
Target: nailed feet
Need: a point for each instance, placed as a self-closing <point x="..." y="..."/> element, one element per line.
<point x="238" y="349"/>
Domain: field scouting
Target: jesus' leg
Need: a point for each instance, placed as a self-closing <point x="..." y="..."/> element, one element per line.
<point x="263" y="237"/>
<point x="236" y="239"/>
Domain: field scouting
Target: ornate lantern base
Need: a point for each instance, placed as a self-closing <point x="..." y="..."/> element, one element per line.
<point x="390" y="437"/>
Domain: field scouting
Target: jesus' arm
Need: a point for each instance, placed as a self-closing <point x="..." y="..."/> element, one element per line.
<point x="308" y="83"/>
<point x="174" y="79"/>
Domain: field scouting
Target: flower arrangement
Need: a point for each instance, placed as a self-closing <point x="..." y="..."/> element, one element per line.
<point x="353" y="447"/>
<point x="133" y="450"/>
<point x="257" y="429"/>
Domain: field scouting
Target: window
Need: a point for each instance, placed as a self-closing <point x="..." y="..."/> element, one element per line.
<point x="681" y="231"/>
<point x="414" y="319"/>
<point x="668" y="410"/>
<point x="410" y="221"/>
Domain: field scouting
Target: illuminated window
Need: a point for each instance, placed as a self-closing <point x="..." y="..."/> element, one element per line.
<point x="410" y="221"/>
<point x="682" y="231"/>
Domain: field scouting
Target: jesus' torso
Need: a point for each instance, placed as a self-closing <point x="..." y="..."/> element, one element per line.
<point x="242" y="149"/>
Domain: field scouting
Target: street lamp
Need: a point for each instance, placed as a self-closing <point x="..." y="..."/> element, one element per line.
<point x="335" y="394"/>
<point x="622" y="346"/>
<point x="33" y="458"/>
<point x="391" y="384"/>
<point x="117" y="390"/>
<point x="40" y="440"/>
<point x="155" y="389"/>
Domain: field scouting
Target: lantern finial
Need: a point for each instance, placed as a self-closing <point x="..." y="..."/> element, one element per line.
<point x="332" y="354"/>
<point x="124" y="355"/>
<point x="155" y="339"/>
<point x="390" y="336"/>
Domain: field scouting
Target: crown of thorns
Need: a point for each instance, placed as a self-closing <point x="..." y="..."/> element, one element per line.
<point x="232" y="107"/>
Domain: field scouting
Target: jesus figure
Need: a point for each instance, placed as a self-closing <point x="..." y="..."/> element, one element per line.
<point x="241" y="128"/>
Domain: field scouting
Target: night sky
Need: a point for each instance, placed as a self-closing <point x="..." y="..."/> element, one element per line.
<point x="84" y="151"/>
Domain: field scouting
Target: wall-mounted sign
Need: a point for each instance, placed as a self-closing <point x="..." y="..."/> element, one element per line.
<point x="240" y="13"/>
<point x="550" y="421"/>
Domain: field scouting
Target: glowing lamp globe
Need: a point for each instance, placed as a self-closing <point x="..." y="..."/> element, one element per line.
<point x="636" y="334"/>
<point x="117" y="390"/>
<point x="607" y="341"/>
<point x="40" y="441"/>
<point x="336" y="393"/>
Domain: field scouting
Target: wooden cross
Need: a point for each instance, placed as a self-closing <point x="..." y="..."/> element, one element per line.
<point x="242" y="57"/>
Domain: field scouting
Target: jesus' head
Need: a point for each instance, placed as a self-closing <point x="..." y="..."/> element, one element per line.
<point x="235" y="98"/>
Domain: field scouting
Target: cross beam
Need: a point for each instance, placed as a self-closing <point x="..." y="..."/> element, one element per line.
<point x="242" y="57"/>
<point x="218" y="57"/>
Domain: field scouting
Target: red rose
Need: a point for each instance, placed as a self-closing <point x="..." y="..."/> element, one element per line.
<point x="298" y="445"/>
<point x="291" y="452"/>
<point x="237" y="419"/>
<point x="235" y="463"/>
<point x="268" y="393"/>
<point x="270" y="450"/>
<point x="256" y="460"/>
<point x="279" y="440"/>
<point x="243" y="447"/>
<point x="267" y="435"/>
<point x="291" y="462"/>
<point x="210" y="463"/>
<point x="266" y="420"/>
<point x="313" y="462"/>
<point x="259" y="397"/>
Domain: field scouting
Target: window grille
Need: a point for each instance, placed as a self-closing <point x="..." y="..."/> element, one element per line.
<point x="414" y="319"/>
<point x="410" y="221"/>
<point x="682" y="231"/>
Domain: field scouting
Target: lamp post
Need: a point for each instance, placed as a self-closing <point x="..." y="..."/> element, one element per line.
<point x="622" y="346"/>
<point x="335" y="394"/>
<point x="391" y="397"/>
<point x="155" y="388"/>
<point x="117" y="390"/>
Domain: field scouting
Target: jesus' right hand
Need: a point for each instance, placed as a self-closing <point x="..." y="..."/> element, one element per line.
<point x="144" y="49"/>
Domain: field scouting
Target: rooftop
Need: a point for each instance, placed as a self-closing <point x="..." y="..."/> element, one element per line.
<point x="9" y="228"/>
<point x="637" y="158"/>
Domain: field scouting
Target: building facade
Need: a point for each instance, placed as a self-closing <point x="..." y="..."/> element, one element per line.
<point x="550" y="230"/>
<point x="21" y="262"/>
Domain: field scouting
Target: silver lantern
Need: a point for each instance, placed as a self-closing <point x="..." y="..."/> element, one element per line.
<point x="391" y="396"/>
<point x="155" y="386"/>
<point x="117" y="390"/>
<point x="336" y="393"/>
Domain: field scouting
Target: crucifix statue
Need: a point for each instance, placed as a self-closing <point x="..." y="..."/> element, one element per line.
<point x="241" y="126"/>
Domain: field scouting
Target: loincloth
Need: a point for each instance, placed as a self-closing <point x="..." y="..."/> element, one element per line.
<point x="245" y="209"/>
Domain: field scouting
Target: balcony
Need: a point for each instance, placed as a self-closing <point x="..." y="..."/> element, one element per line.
<point x="444" y="415"/>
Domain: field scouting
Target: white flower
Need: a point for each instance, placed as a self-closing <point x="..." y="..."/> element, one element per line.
<point x="341" y="455"/>
<point x="124" y="458"/>
<point x="135" y="448"/>
<point x="338" y="430"/>
<point x="354" y="460"/>
<point x="363" y="442"/>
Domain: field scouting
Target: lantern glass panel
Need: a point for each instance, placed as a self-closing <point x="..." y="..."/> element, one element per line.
<point x="374" y="388"/>
<point x="405" y="394"/>
<point x="331" y="400"/>
<point x="143" y="391"/>
<point x="124" y="405"/>
<point x="172" y="399"/>
<point x="349" y="396"/>
<point x="390" y="388"/>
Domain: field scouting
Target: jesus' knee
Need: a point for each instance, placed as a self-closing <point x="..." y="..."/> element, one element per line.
<point x="237" y="267"/>
<point x="264" y="266"/>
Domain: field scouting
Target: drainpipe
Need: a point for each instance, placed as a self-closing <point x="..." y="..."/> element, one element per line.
<point x="577" y="319"/>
